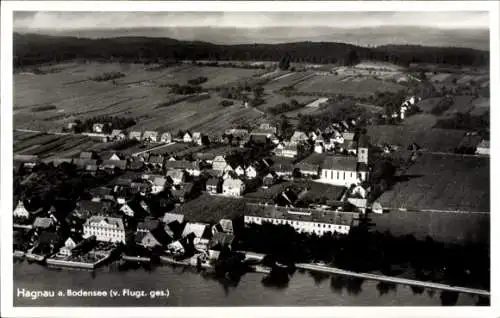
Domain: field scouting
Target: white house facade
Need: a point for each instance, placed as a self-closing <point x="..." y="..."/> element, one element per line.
<point x="105" y="229"/>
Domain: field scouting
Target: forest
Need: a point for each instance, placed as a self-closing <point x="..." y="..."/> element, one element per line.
<point x="34" y="49"/>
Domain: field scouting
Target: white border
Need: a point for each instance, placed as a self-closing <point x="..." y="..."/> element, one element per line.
<point x="6" y="155"/>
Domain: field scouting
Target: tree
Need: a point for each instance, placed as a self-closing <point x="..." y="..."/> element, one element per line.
<point x="285" y="128"/>
<point x="284" y="63"/>
<point x="352" y="58"/>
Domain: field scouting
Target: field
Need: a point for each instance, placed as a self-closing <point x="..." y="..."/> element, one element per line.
<point x="434" y="139"/>
<point x="288" y="79"/>
<point x="272" y="100"/>
<point x="68" y="94"/>
<point x="48" y="146"/>
<point x="461" y="104"/>
<point x="442" y="182"/>
<point x="355" y="86"/>
<point x="444" y="227"/>
<point x="481" y="105"/>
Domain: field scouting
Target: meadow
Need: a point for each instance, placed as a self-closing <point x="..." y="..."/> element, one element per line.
<point x="43" y="102"/>
<point x="355" y="86"/>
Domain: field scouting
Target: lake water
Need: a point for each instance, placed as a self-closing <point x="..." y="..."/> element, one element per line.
<point x="189" y="288"/>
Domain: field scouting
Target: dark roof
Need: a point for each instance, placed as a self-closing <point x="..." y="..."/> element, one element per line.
<point x="470" y="141"/>
<point x="282" y="167"/>
<point x="161" y="236"/>
<point x="135" y="165"/>
<point x="363" y="141"/>
<point x="221" y="239"/>
<point x="86" y="155"/>
<point x="48" y="238"/>
<point x="340" y="163"/>
<point x="82" y="163"/>
<point x="156" y="159"/>
<point x="259" y="138"/>
<point x="148" y="224"/>
<point x="122" y="164"/>
<point x="304" y="166"/>
<point x="183" y="190"/>
<point x="93" y="208"/>
<point x="43" y="222"/>
<point x="181" y="164"/>
<point x="100" y="191"/>
<point x="213" y="181"/>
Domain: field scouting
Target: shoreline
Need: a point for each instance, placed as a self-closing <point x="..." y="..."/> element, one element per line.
<point x="323" y="269"/>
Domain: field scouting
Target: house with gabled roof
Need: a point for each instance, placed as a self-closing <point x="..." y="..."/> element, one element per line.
<point x="98" y="128"/>
<point x="342" y="171"/>
<point x="166" y="137"/>
<point x="213" y="185"/>
<point x="251" y="172"/>
<point x="200" y="230"/>
<point x="175" y="176"/>
<point x="70" y="243"/>
<point x="117" y="134"/>
<point x="239" y="171"/>
<point x="43" y="223"/>
<point x="156" y="161"/>
<point x="219" y="163"/>
<point x="153" y="238"/>
<point x="233" y="187"/>
<point x="150" y="136"/>
<point x="308" y="169"/>
<point x="197" y="138"/>
<point x="135" y="135"/>
<point x="298" y="137"/>
<point x="21" y="211"/>
<point x="173" y="217"/>
<point x="183" y="191"/>
<point x="483" y="148"/>
<point x="187" y="138"/>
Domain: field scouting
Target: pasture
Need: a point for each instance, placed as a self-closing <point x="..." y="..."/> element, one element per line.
<point x="355" y="86"/>
<point x="442" y="182"/>
<point x="434" y="139"/>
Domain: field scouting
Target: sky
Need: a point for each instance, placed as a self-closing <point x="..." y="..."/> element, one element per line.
<point x="46" y="20"/>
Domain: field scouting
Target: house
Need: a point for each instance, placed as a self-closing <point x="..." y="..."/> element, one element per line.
<point x="307" y="169"/>
<point x="157" y="183"/>
<point x="267" y="126"/>
<point x="92" y="168"/>
<point x="233" y="187"/>
<point x="156" y="161"/>
<point x="200" y="230"/>
<point x="220" y="240"/>
<point x="113" y="164"/>
<point x="135" y="135"/>
<point x="117" y="134"/>
<point x="127" y="210"/>
<point x="187" y="138"/>
<point x="173" y="217"/>
<point x="105" y="229"/>
<point x="319" y="148"/>
<point x="97" y="128"/>
<point x="269" y="180"/>
<point x="43" y="223"/>
<point x="70" y="243"/>
<point x="101" y="193"/>
<point x="20" y="211"/>
<point x="191" y="167"/>
<point x="260" y="138"/>
<point x="183" y="191"/>
<point x="153" y="238"/>
<point x="251" y="172"/>
<point x="213" y="185"/>
<point x="166" y="137"/>
<point x="149" y="224"/>
<point x="289" y="150"/>
<point x="298" y="137"/>
<point x="239" y="171"/>
<point x="205" y="156"/>
<point x="283" y="169"/>
<point x="342" y="171"/>
<point x="241" y="133"/>
<point x="197" y="138"/>
<point x="175" y="176"/>
<point x="150" y="136"/>
<point x="226" y="226"/>
<point x="483" y="148"/>
<point x="219" y="163"/>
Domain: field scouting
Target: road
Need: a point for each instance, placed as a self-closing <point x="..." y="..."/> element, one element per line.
<point x="151" y="149"/>
<point x="395" y="280"/>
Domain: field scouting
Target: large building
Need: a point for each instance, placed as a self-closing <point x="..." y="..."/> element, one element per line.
<point x="304" y="220"/>
<point x="105" y="229"/>
<point x="343" y="171"/>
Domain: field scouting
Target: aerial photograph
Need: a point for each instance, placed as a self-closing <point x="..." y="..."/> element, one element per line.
<point x="183" y="159"/>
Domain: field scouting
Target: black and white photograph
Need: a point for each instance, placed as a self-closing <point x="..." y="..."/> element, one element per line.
<point x="247" y="157"/>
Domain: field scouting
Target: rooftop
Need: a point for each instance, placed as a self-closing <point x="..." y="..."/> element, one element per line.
<point x="340" y="163"/>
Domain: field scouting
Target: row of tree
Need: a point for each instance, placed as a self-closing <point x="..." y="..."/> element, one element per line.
<point x="109" y="123"/>
<point x="31" y="49"/>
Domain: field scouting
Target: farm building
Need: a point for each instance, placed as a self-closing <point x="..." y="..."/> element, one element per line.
<point x="308" y="169"/>
<point x="105" y="229"/>
<point x="298" y="137"/>
<point x="187" y="138"/>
